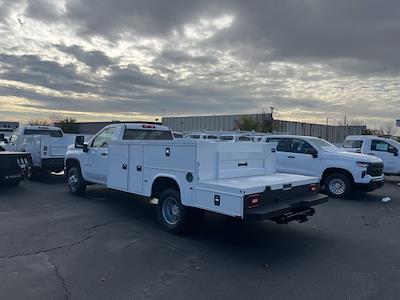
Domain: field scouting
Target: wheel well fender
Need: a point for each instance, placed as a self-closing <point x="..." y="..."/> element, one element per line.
<point x="71" y="162"/>
<point x="331" y="171"/>
<point x="161" y="183"/>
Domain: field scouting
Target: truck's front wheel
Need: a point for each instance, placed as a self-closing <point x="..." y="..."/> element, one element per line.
<point x="338" y="185"/>
<point x="172" y="215"/>
<point x="76" y="183"/>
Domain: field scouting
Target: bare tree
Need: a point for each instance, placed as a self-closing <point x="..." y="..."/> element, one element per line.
<point x="38" y="122"/>
<point x="389" y="128"/>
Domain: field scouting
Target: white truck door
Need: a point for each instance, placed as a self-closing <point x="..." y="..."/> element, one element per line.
<point x="135" y="183"/>
<point x="386" y="152"/>
<point x="281" y="161"/>
<point x="96" y="160"/>
<point x="298" y="161"/>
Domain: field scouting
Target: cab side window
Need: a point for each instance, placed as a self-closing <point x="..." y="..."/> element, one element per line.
<point x="300" y="146"/>
<point x="381" y="146"/>
<point x="103" y="138"/>
<point x="282" y="143"/>
<point x="15" y="134"/>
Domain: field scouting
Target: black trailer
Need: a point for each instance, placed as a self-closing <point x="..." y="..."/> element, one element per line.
<point x="14" y="166"/>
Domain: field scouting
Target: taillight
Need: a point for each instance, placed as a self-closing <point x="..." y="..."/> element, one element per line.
<point x="313" y="188"/>
<point x="148" y="126"/>
<point x="254" y="200"/>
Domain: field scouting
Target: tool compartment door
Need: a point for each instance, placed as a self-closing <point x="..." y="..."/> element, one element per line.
<point x="117" y="175"/>
<point x="135" y="174"/>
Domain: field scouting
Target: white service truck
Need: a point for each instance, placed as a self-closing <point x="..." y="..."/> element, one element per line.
<point x="384" y="148"/>
<point x="46" y="144"/>
<point x="339" y="172"/>
<point x="190" y="177"/>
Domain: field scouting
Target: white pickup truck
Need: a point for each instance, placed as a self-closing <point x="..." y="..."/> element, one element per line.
<point x="190" y="177"/>
<point x="46" y="144"/>
<point x="339" y="172"/>
<point x="385" y="149"/>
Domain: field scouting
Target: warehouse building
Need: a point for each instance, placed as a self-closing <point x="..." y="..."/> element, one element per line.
<point x="213" y="123"/>
<point x="6" y="124"/>
<point x="334" y="134"/>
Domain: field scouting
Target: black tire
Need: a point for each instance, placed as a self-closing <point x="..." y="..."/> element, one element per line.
<point x="75" y="181"/>
<point x="338" y="185"/>
<point x="175" y="217"/>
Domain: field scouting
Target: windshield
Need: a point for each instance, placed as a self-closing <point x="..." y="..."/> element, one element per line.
<point x="395" y="144"/>
<point x="324" y="145"/>
<point x="352" y="144"/>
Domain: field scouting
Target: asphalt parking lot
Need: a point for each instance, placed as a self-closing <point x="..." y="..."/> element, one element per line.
<point x="107" y="245"/>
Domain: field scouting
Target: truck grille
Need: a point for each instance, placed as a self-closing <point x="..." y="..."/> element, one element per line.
<point x="375" y="169"/>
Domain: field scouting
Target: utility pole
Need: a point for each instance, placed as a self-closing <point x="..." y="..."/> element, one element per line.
<point x="272" y="112"/>
<point x="326" y="129"/>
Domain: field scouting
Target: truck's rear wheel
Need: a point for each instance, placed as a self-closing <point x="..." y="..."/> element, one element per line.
<point x="76" y="183"/>
<point x="338" y="185"/>
<point x="175" y="217"/>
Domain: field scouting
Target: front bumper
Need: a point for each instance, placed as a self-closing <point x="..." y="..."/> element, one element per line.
<point x="290" y="210"/>
<point x="370" y="186"/>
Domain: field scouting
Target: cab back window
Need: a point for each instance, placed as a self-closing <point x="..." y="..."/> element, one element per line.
<point x="142" y="134"/>
<point x="52" y="133"/>
<point x="282" y="143"/>
<point x="352" y="144"/>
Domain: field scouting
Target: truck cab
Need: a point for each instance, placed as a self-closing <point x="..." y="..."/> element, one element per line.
<point x="339" y="172"/>
<point x="94" y="158"/>
<point x="385" y="149"/>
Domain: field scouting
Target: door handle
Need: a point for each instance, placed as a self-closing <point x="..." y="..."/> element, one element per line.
<point x="104" y="154"/>
<point x="139" y="168"/>
<point x="290" y="156"/>
<point x="371" y="154"/>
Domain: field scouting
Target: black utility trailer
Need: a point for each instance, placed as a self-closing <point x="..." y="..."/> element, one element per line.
<point x="14" y="166"/>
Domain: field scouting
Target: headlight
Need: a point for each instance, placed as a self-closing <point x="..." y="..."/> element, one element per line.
<point x="363" y="164"/>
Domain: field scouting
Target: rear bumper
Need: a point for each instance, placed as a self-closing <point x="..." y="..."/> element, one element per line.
<point x="370" y="186"/>
<point x="53" y="164"/>
<point x="294" y="209"/>
<point x="6" y="176"/>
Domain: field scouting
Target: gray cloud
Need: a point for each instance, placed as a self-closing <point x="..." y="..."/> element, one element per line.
<point x="180" y="57"/>
<point x="43" y="10"/>
<point x="152" y="17"/>
<point x="94" y="59"/>
<point x="32" y="69"/>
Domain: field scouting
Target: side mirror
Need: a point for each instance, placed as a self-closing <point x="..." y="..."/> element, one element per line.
<point x="312" y="152"/>
<point x="2" y="138"/>
<point x="394" y="151"/>
<point x="80" y="143"/>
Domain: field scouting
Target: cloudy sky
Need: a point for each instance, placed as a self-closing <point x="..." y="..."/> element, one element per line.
<point x="139" y="59"/>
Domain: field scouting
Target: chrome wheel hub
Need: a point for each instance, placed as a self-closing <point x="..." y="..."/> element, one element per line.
<point x="171" y="211"/>
<point x="73" y="181"/>
<point x="337" y="186"/>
